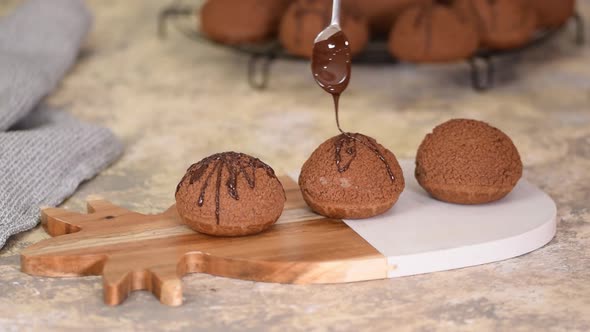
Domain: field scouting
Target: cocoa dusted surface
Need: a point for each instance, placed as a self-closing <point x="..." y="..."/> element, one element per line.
<point x="351" y="176"/>
<point x="467" y="161"/>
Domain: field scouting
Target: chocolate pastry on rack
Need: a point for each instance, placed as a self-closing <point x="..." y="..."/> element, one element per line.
<point x="351" y="176"/>
<point x="230" y="194"/>
<point x="467" y="162"/>
<point x="243" y="21"/>
<point x="382" y="13"/>
<point x="438" y="31"/>
<point x="504" y="24"/>
<point x="305" y="19"/>
<point x="552" y="13"/>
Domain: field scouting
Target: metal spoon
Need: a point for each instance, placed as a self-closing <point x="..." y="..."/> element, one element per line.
<point x="334" y="26"/>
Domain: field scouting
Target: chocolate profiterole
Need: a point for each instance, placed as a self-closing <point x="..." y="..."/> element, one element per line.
<point x="438" y="31"/>
<point x="230" y="194"/>
<point x="552" y="13"/>
<point x="467" y="162"/>
<point x="351" y="176"/>
<point x="382" y="13"/>
<point x="244" y="21"/>
<point x="504" y="24"/>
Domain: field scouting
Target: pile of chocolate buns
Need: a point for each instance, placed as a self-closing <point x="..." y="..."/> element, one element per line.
<point x="416" y="30"/>
<point x="349" y="176"/>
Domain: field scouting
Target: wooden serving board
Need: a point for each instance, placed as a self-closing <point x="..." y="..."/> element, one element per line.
<point x="134" y="251"/>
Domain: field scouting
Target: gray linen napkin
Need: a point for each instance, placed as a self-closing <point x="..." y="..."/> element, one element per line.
<point x="44" y="154"/>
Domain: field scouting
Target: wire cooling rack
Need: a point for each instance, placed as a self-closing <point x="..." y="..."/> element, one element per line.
<point x="184" y="18"/>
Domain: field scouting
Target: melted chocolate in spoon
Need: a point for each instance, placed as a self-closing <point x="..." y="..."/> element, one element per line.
<point x="330" y="65"/>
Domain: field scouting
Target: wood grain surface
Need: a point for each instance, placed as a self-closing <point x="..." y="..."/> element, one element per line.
<point x="134" y="251"/>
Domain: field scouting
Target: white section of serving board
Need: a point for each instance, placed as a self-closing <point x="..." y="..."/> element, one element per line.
<point x="421" y="234"/>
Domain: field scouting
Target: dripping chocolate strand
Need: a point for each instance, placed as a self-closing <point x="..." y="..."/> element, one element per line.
<point x="205" y="185"/>
<point x="232" y="184"/>
<point x="218" y="190"/>
<point x="351" y="151"/>
<point x="382" y="158"/>
<point x="336" y="98"/>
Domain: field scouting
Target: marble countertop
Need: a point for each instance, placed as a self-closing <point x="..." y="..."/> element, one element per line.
<point x="176" y="101"/>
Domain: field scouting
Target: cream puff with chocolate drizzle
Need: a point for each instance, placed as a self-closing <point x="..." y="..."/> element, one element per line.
<point x="230" y="194"/>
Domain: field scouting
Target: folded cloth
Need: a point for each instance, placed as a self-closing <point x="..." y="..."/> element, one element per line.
<point x="38" y="43"/>
<point x="44" y="154"/>
<point x="42" y="162"/>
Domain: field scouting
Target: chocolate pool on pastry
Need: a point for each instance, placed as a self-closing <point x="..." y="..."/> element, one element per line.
<point x="467" y="162"/>
<point x="230" y="194"/>
<point x="351" y="176"/>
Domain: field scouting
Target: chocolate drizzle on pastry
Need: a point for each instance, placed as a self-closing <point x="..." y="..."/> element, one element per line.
<point x="346" y="147"/>
<point x="211" y="169"/>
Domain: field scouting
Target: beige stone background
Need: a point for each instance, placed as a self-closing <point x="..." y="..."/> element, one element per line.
<point x="176" y="101"/>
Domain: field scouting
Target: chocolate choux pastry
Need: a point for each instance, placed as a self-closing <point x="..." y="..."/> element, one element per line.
<point x="382" y="13"/>
<point x="351" y="176"/>
<point x="245" y="21"/>
<point x="230" y="194"/>
<point x="467" y="162"/>
<point x="552" y="13"/>
<point x="439" y="31"/>
<point x="504" y="24"/>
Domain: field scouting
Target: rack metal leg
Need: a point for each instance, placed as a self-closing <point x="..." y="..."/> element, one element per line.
<point x="169" y="12"/>
<point x="482" y="73"/>
<point x="259" y="69"/>
<point x="580" y="32"/>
